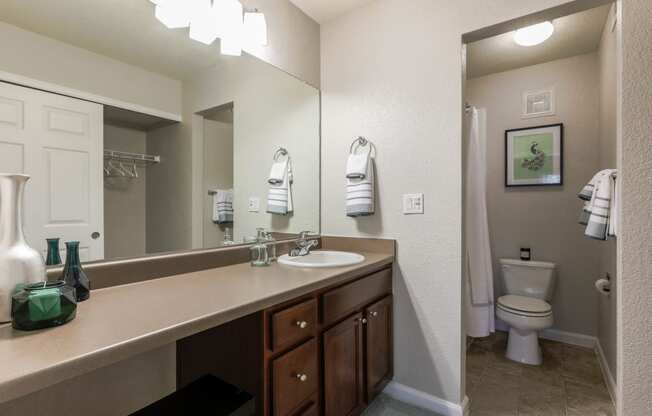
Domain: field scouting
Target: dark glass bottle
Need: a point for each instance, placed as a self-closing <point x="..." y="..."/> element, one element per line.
<point x="53" y="258"/>
<point x="73" y="274"/>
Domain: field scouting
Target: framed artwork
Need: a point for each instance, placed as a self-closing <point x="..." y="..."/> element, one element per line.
<point x="534" y="156"/>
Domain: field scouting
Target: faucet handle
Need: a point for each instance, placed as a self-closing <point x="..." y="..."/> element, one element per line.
<point x="304" y="234"/>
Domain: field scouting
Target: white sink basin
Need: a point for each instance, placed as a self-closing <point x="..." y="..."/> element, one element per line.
<point x="322" y="258"/>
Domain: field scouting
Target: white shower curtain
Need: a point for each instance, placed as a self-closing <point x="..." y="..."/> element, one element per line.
<point x="479" y="296"/>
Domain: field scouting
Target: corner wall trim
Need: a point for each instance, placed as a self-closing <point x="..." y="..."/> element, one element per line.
<point x="606" y="373"/>
<point x="426" y="401"/>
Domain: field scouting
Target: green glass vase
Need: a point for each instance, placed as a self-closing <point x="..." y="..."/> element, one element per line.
<point x="73" y="274"/>
<point x="53" y="258"/>
<point x="43" y="305"/>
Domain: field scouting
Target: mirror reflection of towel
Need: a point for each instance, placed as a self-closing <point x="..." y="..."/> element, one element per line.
<point x="279" y="197"/>
<point x="223" y="206"/>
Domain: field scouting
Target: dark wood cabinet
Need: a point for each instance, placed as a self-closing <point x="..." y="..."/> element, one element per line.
<point x="343" y="367"/>
<point x="326" y="353"/>
<point x="378" y="342"/>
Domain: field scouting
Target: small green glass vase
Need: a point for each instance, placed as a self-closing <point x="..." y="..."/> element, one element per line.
<point x="43" y="305"/>
<point x="73" y="274"/>
<point x="53" y="258"/>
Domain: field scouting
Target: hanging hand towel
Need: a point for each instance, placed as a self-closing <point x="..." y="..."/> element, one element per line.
<point x="223" y="206"/>
<point x="279" y="197"/>
<point x="599" y="213"/>
<point x="356" y="165"/>
<point x="360" y="196"/>
<point x="277" y="173"/>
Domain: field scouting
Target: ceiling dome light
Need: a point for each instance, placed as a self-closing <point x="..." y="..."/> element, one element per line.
<point x="534" y="35"/>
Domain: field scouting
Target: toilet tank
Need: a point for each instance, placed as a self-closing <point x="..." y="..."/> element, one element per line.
<point x="528" y="278"/>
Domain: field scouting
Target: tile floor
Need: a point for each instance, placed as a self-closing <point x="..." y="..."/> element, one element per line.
<point x="569" y="383"/>
<point x="386" y="406"/>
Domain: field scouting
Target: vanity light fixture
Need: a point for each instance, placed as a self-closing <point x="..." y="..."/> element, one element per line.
<point x="212" y="19"/>
<point x="534" y="35"/>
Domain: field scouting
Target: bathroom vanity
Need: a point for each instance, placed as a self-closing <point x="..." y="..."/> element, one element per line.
<point x="302" y="341"/>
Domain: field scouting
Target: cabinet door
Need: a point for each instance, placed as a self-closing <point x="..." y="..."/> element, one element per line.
<point x="343" y="368"/>
<point x="378" y="346"/>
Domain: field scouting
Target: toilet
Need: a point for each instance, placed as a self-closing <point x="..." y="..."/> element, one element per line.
<point x="528" y="286"/>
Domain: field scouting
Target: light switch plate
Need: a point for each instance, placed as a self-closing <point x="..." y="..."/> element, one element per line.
<point x="413" y="204"/>
<point x="254" y="204"/>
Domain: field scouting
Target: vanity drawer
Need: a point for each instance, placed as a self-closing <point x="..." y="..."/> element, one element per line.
<point x="294" y="378"/>
<point x="346" y="299"/>
<point x="294" y="324"/>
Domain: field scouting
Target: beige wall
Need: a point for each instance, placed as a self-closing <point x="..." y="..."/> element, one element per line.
<point x="218" y="173"/>
<point x="116" y="390"/>
<point x="48" y="60"/>
<point x="270" y="109"/>
<point x="635" y="261"/>
<point x="169" y="190"/>
<point x="391" y="71"/>
<point x="124" y="199"/>
<point x="545" y="219"/>
<point x="608" y="61"/>
<point x="293" y="38"/>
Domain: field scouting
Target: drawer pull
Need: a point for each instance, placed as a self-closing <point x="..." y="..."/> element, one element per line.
<point x="362" y="320"/>
<point x="302" y="377"/>
<point x="374" y="314"/>
<point x="302" y="324"/>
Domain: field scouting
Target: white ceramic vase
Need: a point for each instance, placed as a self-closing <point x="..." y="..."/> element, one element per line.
<point x="19" y="263"/>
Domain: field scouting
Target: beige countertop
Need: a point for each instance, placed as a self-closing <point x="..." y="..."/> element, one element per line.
<point x="122" y="321"/>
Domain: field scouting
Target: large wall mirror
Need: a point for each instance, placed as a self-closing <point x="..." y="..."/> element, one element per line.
<point x="245" y="155"/>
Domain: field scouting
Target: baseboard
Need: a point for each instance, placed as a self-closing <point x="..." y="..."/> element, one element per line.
<point x="572" y="338"/>
<point x="426" y="401"/>
<point x="606" y="373"/>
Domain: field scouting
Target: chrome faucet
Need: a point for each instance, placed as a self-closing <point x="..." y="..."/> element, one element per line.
<point x="303" y="244"/>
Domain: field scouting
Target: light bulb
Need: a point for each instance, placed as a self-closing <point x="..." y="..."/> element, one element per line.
<point x="255" y="29"/>
<point x="203" y="22"/>
<point x="534" y="35"/>
<point x="174" y="14"/>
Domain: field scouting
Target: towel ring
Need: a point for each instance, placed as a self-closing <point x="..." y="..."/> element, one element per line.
<point x="281" y="151"/>
<point x="361" y="142"/>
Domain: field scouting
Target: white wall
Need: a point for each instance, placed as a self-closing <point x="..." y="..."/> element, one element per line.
<point x="41" y="58"/>
<point x="391" y="71"/>
<point x="608" y="68"/>
<point x="635" y="261"/>
<point x="545" y="219"/>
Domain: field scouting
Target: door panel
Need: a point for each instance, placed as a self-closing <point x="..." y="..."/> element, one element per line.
<point x="343" y="368"/>
<point x="378" y="346"/>
<point x="58" y="141"/>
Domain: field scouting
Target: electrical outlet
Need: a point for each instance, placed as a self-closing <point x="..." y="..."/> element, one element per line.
<point x="254" y="204"/>
<point x="413" y="204"/>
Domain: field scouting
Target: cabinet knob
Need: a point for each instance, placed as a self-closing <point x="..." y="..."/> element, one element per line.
<point x="374" y="314"/>
<point x="363" y="320"/>
<point x="302" y="377"/>
<point x="302" y="324"/>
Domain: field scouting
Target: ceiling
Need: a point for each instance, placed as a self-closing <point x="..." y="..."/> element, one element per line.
<point x="125" y="30"/>
<point x="322" y="11"/>
<point x="574" y="34"/>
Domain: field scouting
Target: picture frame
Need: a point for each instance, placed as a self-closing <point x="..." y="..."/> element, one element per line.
<point x="534" y="156"/>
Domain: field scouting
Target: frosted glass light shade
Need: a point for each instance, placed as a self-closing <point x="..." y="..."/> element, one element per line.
<point x="203" y="22"/>
<point x="174" y="14"/>
<point x="255" y="29"/>
<point x="534" y="35"/>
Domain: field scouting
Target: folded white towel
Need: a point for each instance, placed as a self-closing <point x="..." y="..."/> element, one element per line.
<point x="223" y="206"/>
<point x="356" y="165"/>
<point x="277" y="173"/>
<point x="279" y="197"/>
<point x="360" y="193"/>
<point x="599" y="213"/>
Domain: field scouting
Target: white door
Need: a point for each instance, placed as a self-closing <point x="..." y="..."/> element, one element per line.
<point x="58" y="141"/>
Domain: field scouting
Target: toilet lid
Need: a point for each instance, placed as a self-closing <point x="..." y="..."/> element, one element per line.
<point x="524" y="304"/>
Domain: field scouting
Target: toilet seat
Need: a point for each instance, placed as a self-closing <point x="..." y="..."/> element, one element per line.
<point x="524" y="306"/>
